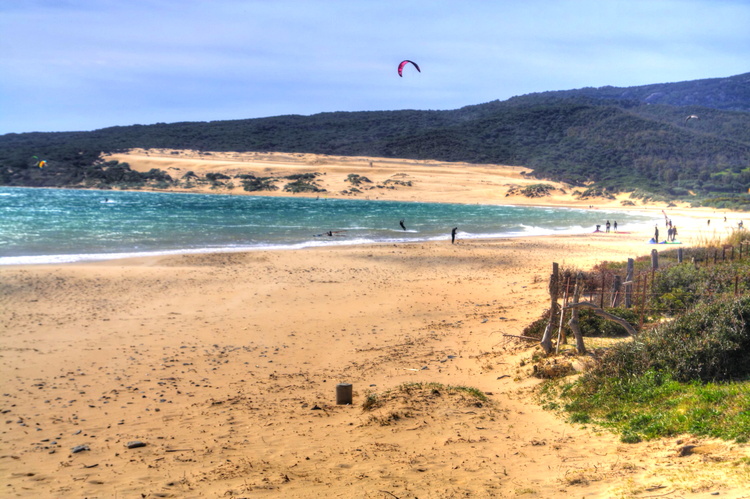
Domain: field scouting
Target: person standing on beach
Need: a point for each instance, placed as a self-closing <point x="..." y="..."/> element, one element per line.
<point x="453" y="235"/>
<point x="402" y="224"/>
<point x="615" y="225"/>
<point x="607" y="226"/>
<point x="656" y="234"/>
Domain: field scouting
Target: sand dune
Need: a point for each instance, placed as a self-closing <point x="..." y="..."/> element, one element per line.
<point x="430" y="181"/>
<point x="225" y="367"/>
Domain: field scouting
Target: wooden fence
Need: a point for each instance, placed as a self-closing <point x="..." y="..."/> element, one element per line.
<point x="636" y="289"/>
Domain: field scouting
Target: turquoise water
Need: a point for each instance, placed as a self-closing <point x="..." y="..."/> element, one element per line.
<point x="63" y="225"/>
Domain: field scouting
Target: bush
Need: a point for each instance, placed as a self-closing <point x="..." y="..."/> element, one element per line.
<point x="254" y="184"/>
<point x="710" y="343"/>
<point x="214" y="177"/>
<point x="355" y="179"/>
<point x="302" y="186"/>
<point x="679" y="287"/>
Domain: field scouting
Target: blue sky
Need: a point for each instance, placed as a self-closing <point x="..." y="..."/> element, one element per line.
<point x="86" y="64"/>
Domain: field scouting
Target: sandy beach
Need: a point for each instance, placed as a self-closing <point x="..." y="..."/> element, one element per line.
<point x="215" y="375"/>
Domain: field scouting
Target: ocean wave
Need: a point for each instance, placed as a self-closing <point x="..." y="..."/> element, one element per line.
<point x="52" y="226"/>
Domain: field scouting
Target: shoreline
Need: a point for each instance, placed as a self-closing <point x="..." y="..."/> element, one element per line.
<point x="488" y="221"/>
<point x="225" y="365"/>
<point x="608" y="211"/>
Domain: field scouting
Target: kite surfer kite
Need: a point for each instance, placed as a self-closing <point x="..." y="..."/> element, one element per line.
<point x="404" y="63"/>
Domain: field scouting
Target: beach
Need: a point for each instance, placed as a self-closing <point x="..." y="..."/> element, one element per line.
<point x="215" y="375"/>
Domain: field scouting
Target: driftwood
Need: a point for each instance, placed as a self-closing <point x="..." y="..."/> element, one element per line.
<point x="601" y="313"/>
<point x="522" y="337"/>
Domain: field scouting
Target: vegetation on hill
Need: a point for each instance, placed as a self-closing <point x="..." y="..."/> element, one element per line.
<point x="730" y="94"/>
<point x="620" y="139"/>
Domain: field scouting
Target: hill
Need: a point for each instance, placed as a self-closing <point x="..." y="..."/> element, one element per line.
<point x="622" y="139"/>
<point x="728" y="94"/>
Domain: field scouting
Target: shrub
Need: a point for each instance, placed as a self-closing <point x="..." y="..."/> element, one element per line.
<point x="678" y="287"/>
<point x="532" y="191"/>
<point x="214" y="177"/>
<point x="709" y="343"/>
<point x="355" y="179"/>
<point x="302" y="186"/>
<point x="254" y="184"/>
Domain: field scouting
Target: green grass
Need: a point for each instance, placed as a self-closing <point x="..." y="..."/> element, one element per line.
<point x="374" y="400"/>
<point x="655" y="406"/>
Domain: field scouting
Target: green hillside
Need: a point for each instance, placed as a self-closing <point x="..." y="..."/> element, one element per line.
<point x="629" y="139"/>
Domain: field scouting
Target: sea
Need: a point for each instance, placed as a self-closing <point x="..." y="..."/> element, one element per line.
<point x="41" y="226"/>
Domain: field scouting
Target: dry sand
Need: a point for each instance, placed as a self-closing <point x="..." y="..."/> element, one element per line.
<point x="431" y="181"/>
<point x="225" y="366"/>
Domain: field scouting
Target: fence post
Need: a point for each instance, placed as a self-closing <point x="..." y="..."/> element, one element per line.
<point x="566" y="296"/>
<point x="654" y="259"/>
<point x="546" y="341"/>
<point x="629" y="283"/>
<point x="643" y="301"/>
<point x="573" y="322"/>
<point x="616" y="284"/>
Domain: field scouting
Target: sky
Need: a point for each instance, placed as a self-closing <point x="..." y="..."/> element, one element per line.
<point x="70" y="65"/>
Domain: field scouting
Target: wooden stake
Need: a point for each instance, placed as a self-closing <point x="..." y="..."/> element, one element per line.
<point x="629" y="283"/>
<point x="573" y="322"/>
<point x="546" y="341"/>
<point x="562" y="316"/>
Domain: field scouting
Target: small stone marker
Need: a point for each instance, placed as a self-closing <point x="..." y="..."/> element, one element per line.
<point x="344" y="394"/>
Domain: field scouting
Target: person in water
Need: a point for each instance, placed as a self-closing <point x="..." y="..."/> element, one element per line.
<point x="401" y="223"/>
<point x="453" y="235"/>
